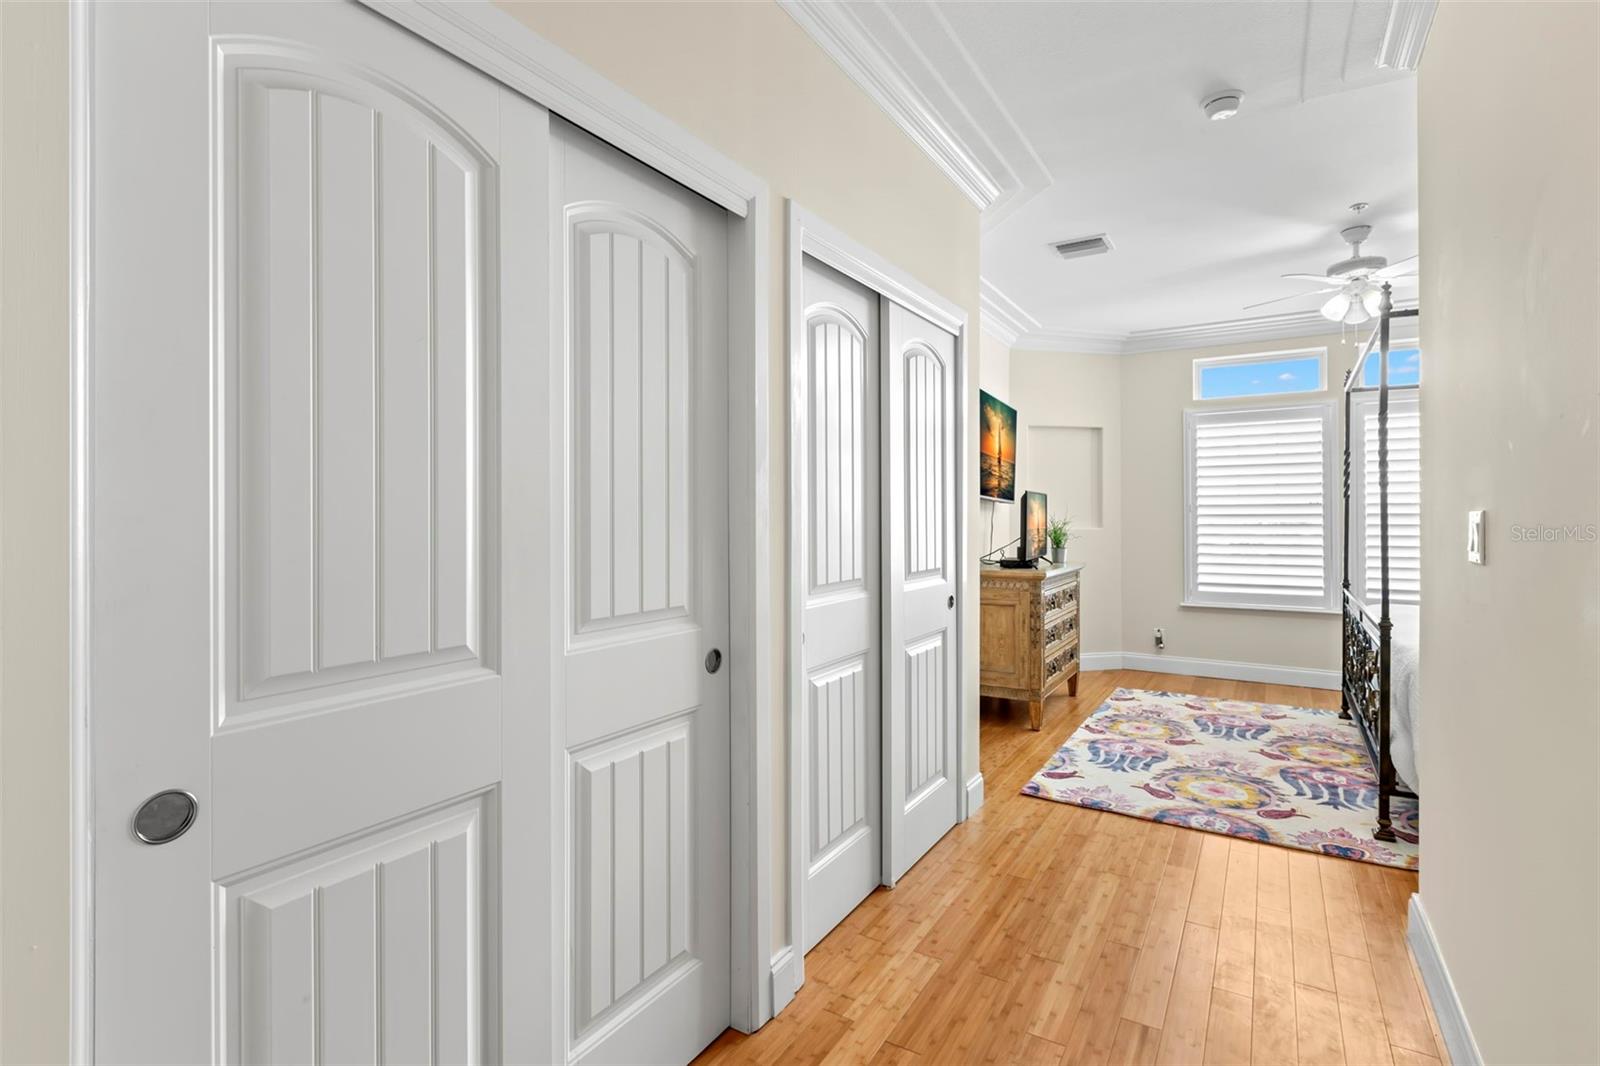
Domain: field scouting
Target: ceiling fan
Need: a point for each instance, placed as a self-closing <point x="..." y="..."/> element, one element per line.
<point x="1355" y="281"/>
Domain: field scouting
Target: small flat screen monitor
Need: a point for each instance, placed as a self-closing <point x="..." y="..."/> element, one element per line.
<point x="1035" y="526"/>
<point x="997" y="449"/>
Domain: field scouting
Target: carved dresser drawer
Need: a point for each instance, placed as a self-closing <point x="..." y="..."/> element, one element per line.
<point x="1028" y="634"/>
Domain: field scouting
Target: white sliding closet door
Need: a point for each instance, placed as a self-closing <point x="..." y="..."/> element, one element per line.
<point x="638" y="406"/>
<point x="840" y="646"/>
<point x="306" y="473"/>
<point x="923" y="788"/>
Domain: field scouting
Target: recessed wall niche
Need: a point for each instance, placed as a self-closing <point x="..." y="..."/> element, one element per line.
<point x="1068" y="464"/>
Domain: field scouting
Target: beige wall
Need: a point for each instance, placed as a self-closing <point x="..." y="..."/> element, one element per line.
<point x="1133" y="579"/>
<point x="1157" y="387"/>
<point x="33" y="533"/>
<point x="994" y="366"/>
<point x="745" y="78"/>
<point x="1054" y="390"/>
<point x="1507" y="107"/>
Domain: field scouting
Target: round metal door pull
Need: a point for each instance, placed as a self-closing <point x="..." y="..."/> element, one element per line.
<point x="165" y="817"/>
<point x="713" y="660"/>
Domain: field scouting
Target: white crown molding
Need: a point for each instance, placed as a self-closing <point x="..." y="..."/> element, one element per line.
<point x="1005" y="320"/>
<point x="1067" y="340"/>
<point x="991" y="327"/>
<point x="1230" y="331"/>
<point x="838" y="34"/>
<point x="999" y="315"/>
<point x="1407" y="33"/>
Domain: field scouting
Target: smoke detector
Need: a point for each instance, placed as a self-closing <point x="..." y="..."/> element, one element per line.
<point x="1078" y="247"/>
<point x="1223" y="105"/>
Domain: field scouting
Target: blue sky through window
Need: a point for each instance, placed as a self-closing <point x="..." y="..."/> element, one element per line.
<point x="1272" y="377"/>
<point x="1405" y="367"/>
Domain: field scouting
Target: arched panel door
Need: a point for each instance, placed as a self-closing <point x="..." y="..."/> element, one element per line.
<point x="840" y="727"/>
<point x="300" y="612"/>
<point x="922" y="781"/>
<point x="639" y="392"/>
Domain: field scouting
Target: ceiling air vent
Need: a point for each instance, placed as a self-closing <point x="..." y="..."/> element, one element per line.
<point x="1082" y="246"/>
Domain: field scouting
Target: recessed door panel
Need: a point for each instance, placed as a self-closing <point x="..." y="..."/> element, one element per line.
<point x="634" y="528"/>
<point x="377" y="940"/>
<point x="925" y="463"/>
<point x="836" y="760"/>
<point x="925" y="703"/>
<point x="633" y="811"/>
<point x="354" y="376"/>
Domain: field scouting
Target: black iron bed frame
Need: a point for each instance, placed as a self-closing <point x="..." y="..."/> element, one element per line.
<point x="1364" y="686"/>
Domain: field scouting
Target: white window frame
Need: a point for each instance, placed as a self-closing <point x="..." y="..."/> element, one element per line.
<point x="1262" y="357"/>
<point x="1328" y="601"/>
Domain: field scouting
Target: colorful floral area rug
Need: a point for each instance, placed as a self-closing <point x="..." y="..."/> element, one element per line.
<point x="1293" y="776"/>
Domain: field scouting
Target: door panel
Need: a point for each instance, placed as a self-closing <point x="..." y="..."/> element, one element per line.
<point x="923" y="780"/>
<point x="360" y="291"/>
<point x="299" y="610"/>
<point x="640" y="396"/>
<point x="634" y="807"/>
<point x="926" y="700"/>
<point x="841" y="729"/>
<point x="300" y="961"/>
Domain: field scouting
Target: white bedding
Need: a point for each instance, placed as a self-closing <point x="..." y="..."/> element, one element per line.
<point x="1405" y="700"/>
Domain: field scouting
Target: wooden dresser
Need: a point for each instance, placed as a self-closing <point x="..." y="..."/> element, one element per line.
<point x="1028" y="634"/>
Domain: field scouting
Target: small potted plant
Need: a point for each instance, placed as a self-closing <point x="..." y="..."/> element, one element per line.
<point x="1058" y="532"/>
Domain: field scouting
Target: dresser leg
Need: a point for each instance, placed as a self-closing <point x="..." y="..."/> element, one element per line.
<point x="1072" y="685"/>
<point x="1035" y="714"/>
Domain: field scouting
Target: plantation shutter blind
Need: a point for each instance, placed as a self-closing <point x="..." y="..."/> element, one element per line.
<point x="1405" y="502"/>
<point x="1260" y="522"/>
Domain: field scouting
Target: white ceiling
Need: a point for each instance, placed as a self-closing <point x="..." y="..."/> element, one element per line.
<point x="1084" y="118"/>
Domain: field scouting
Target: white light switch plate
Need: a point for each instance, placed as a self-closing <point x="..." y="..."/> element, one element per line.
<point x="1475" y="537"/>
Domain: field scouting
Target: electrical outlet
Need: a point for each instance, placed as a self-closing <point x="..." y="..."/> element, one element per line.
<point x="1161" y="639"/>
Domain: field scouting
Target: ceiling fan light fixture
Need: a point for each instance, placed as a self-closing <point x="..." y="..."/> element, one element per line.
<point x="1337" y="307"/>
<point x="1223" y="106"/>
<point x="1356" y="314"/>
<point x="1372" y="300"/>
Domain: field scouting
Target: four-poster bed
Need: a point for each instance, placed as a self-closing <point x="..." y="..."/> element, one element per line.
<point x="1379" y="661"/>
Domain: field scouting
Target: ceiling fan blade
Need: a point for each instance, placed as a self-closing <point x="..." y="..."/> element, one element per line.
<point x="1280" y="299"/>
<point x="1392" y="270"/>
<point x="1322" y="279"/>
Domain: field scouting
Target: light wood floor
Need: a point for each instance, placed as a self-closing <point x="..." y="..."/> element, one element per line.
<point x="1038" y="932"/>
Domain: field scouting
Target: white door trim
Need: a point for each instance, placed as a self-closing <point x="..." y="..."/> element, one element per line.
<point x="496" y="43"/>
<point x="810" y="235"/>
<point x="80" y="913"/>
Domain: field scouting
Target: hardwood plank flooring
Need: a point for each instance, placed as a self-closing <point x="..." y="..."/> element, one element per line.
<point x="1038" y="932"/>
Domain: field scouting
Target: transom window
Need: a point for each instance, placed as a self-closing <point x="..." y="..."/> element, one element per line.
<point x="1405" y="367"/>
<point x="1232" y="377"/>
<point x="1260" y="510"/>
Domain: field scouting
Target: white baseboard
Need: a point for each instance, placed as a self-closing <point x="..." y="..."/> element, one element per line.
<point x="785" y="978"/>
<point x="1223" y="668"/>
<point x="1100" y="660"/>
<point x="1441" y="990"/>
<point x="974" y="794"/>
